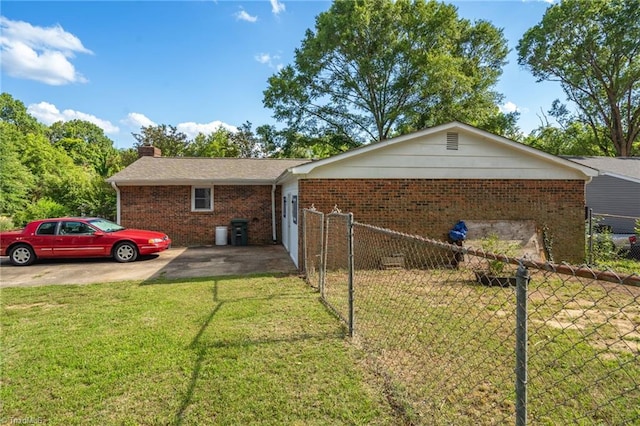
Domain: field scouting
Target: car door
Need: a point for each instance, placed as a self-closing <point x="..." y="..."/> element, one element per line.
<point x="78" y="239"/>
<point x="43" y="239"/>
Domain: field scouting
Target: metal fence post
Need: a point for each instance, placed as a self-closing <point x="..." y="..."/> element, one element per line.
<point x="322" y="258"/>
<point x="590" y="231"/>
<point x="522" y="282"/>
<point x="305" y="242"/>
<point x="350" y="266"/>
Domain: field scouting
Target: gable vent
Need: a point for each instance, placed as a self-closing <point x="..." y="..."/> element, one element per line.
<point x="452" y="141"/>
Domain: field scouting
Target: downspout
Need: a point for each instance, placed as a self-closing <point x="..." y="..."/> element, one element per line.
<point x="273" y="214"/>
<point x="113" y="184"/>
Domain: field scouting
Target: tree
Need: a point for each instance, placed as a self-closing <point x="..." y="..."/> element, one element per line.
<point x="14" y="112"/>
<point x="86" y="144"/>
<point x="58" y="178"/>
<point x="571" y="137"/>
<point x="216" y="144"/>
<point x="43" y="208"/>
<point x="16" y="180"/>
<point x="168" y="139"/>
<point x="53" y="171"/>
<point x="593" y="49"/>
<point x="574" y="139"/>
<point x="290" y="144"/>
<point x="374" y="68"/>
<point x="127" y="156"/>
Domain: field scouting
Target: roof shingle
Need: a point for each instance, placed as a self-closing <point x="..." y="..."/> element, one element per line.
<point x="166" y="170"/>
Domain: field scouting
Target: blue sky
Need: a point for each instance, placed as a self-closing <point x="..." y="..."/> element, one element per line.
<point x="196" y="65"/>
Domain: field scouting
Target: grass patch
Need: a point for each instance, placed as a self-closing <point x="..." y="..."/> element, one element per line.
<point x="220" y="351"/>
<point x="446" y="346"/>
<point x="621" y="266"/>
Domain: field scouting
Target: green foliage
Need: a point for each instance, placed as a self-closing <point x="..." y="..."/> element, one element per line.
<point x="6" y="223"/>
<point x="16" y="180"/>
<point x="13" y="112"/>
<point x="290" y="144"/>
<point x="600" y="244"/>
<point x="636" y="228"/>
<point x="494" y="245"/>
<point x="86" y="144"/>
<point x="221" y="143"/>
<point x="244" y="141"/>
<point x="127" y="157"/>
<point x="41" y="209"/>
<point x="375" y="68"/>
<point x="574" y="139"/>
<point x="168" y="139"/>
<point x="591" y="48"/>
<point x="216" y="144"/>
<point x="57" y="170"/>
<point x="59" y="178"/>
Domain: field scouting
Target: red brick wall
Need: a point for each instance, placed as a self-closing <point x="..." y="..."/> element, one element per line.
<point x="168" y="209"/>
<point x="431" y="207"/>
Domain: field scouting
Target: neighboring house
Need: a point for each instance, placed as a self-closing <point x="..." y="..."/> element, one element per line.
<point x="421" y="183"/>
<point x="615" y="192"/>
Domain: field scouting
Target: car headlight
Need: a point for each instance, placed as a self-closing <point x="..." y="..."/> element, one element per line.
<point x="155" y="240"/>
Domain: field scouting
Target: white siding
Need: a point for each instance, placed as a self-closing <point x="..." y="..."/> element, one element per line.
<point x="428" y="158"/>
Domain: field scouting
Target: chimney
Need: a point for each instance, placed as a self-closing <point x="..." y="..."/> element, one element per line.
<point x="149" y="151"/>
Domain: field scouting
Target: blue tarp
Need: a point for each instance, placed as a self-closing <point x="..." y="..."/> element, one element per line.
<point x="459" y="232"/>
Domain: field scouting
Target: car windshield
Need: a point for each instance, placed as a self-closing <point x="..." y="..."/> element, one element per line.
<point x="105" y="225"/>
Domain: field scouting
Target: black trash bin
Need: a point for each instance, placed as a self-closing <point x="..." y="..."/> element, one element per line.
<point x="239" y="233"/>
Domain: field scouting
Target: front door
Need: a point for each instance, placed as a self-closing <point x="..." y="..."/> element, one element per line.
<point x="292" y="226"/>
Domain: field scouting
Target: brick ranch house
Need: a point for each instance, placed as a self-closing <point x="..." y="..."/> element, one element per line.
<point x="421" y="183"/>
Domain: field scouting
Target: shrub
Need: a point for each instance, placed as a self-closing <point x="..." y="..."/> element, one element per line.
<point x="493" y="244"/>
<point x="6" y="223"/>
<point x="42" y="209"/>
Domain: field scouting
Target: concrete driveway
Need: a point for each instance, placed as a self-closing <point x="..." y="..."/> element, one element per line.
<point x="174" y="263"/>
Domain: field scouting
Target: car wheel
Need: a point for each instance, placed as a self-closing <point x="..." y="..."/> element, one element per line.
<point x="125" y="252"/>
<point x="22" y="255"/>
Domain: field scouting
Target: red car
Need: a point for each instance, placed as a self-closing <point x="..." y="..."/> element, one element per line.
<point x="79" y="237"/>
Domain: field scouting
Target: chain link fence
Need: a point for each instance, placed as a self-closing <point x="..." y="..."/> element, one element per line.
<point x="538" y="344"/>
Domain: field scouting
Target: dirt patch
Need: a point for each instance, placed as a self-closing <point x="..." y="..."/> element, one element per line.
<point x="43" y="305"/>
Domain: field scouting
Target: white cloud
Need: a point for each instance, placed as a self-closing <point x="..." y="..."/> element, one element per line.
<point x="192" y="129"/>
<point x="277" y="7"/>
<point x="38" y="53"/>
<point x="48" y="114"/>
<point x="244" y="16"/>
<point x="509" y="107"/>
<point x="263" y="58"/>
<point x="269" y="60"/>
<point x="137" y="120"/>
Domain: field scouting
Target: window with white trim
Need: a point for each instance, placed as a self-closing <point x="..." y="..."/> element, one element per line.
<point x="202" y="198"/>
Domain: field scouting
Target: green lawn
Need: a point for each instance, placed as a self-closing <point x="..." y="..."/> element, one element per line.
<point x="250" y="350"/>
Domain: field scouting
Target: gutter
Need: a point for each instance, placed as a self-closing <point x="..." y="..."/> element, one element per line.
<point x="273" y="214"/>
<point x="113" y="184"/>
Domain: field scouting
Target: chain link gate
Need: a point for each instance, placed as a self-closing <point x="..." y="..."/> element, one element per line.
<point x="313" y="246"/>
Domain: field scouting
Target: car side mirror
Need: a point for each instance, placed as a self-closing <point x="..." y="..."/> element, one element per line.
<point x="98" y="234"/>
